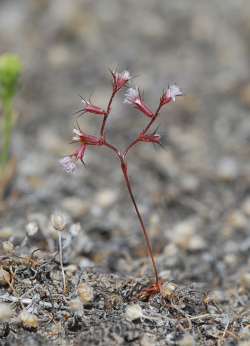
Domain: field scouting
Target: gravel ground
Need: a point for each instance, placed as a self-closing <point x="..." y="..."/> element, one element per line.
<point x="194" y="199"/>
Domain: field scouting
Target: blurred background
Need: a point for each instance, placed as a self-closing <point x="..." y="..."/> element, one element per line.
<point x="194" y="199"/>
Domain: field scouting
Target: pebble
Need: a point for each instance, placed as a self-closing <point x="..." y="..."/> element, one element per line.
<point x="75" y="206"/>
<point x="230" y="259"/>
<point x="6" y="232"/>
<point x="196" y="242"/>
<point x="246" y="206"/>
<point x="227" y="169"/>
<point x="237" y="219"/>
<point x="171" y="250"/>
<point x="105" y="198"/>
<point x="189" y="183"/>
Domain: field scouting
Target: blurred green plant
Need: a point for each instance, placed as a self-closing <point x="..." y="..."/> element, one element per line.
<point x="10" y="69"/>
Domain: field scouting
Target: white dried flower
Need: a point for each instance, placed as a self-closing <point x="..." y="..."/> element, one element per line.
<point x="3" y="275"/>
<point x="32" y="227"/>
<point x="27" y="319"/>
<point x="187" y="340"/>
<point x="76" y="305"/>
<point x="75" y="229"/>
<point x="245" y="333"/>
<point x="5" y="311"/>
<point x="8" y="246"/>
<point x="59" y="221"/>
<point x="85" y="292"/>
<point x="133" y="312"/>
<point x="169" y="287"/>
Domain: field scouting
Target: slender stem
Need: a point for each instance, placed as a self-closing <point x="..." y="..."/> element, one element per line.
<point x="60" y="253"/>
<point x="143" y="132"/>
<point x="124" y="169"/>
<point x="107" y="113"/>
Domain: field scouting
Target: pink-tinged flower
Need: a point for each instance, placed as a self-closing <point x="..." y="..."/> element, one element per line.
<point x="171" y="93"/>
<point x="83" y="138"/>
<point x="89" y="107"/>
<point x="133" y="97"/>
<point x="120" y="79"/>
<point x="69" y="166"/>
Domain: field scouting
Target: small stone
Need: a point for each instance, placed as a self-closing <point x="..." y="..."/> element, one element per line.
<point x="230" y="259"/>
<point x="106" y="198"/>
<point x="171" y="250"/>
<point x="74" y="206"/>
<point x="165" y="275"/>
<point x="182" y="232"/>
<point x="197" y="242"/>
<point x="237" y="219"/>
<point x="6" y="232"/>
<point x="246" y="206"/>
<point x="227" y="169"/>
<point x="189" y="183"/>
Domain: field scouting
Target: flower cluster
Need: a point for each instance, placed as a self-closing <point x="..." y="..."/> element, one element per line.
<point x="134" y="98"/>
<point x="84" y="140"/>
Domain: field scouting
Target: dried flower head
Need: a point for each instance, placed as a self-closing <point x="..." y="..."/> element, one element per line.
<point x="75" y="304"/>
<point x="169" y="288"/>
<point x="8" y="246"/>
<point x="187" y="340"/>
<point x="5" y="311"/>
<point x="27" y="319"/>
<point x="31" y="227"/>
<point x="85" y="292"/>
<point x="4" y="275"/>
<point x="59" y="221"/>
<point x="133" y="312"/>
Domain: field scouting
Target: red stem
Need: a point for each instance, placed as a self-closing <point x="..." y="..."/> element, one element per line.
<point x="124" y="169"/>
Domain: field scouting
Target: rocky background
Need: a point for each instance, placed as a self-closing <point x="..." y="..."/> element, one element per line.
<point x="194" y="199"/>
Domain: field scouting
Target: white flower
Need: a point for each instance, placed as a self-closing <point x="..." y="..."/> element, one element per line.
<point x="58" y="221"/>
<point x="132" y="95"/>
<point x="173" y="91"/>
<point x="70" y="167"/>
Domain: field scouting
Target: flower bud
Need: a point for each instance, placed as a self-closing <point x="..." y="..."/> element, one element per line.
<point x="58" y="221"/>
<point x="27" y="319"/>
<point x="3" y="280"/>
<point x="5" y="311"/>
<point x="8" y="246"/>
<point x="133" y="312"/>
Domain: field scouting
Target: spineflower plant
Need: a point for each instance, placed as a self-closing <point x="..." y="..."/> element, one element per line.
<point x="135" y="99"/>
